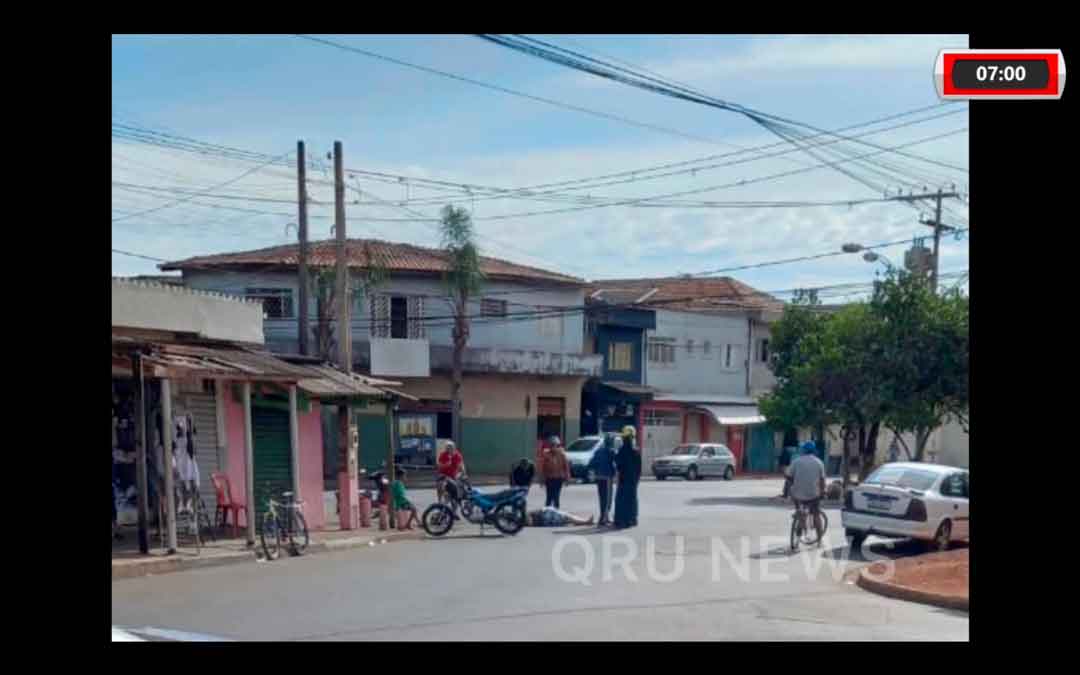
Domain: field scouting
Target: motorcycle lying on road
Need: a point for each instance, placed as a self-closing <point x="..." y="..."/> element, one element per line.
<point x="505" y="510"/>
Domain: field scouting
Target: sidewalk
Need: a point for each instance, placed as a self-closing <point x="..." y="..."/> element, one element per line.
<point x="128" y="563"/>
<point x="940" y="579"/>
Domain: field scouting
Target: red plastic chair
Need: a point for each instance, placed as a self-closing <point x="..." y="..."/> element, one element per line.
<point x="226" y="504"/>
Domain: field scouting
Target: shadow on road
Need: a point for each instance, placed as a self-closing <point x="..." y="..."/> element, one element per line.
<point x="767" y="502"/>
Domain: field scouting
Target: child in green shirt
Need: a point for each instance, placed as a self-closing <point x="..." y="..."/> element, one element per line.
<point x="401" y="501"/>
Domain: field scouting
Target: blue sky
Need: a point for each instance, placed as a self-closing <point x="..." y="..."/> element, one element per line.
<point x="262" y="93"/>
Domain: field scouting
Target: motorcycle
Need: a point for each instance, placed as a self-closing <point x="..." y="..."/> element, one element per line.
<point x="505" y="510"/>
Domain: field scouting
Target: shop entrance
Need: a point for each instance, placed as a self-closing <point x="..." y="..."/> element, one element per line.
<point x="550" y="415"/>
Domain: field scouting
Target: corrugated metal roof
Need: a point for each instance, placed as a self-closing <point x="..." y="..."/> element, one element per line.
<point x="319" y="380"/>
<point x="363" y="253"/>
<point x="734" y="415"/>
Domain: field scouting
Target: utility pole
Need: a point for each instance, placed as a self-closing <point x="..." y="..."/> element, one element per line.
<point x="301" y="186"/>
<point x="938" y="226"/>
<point x="141" y="475"/>
<point x="348" y="487"/>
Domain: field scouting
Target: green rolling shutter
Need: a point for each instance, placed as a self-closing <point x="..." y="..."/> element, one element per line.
<point x="273" y="464"/>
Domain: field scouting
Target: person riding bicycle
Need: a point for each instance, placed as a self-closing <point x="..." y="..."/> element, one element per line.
<point x="808" y="482"/>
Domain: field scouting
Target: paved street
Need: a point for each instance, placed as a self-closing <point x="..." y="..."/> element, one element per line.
<point x="467" y="587"/>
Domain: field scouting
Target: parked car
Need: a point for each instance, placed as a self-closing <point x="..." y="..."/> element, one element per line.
<point x="927" y="502"/>
<point x="580" y="453"/>
<point x="696" y="460"/>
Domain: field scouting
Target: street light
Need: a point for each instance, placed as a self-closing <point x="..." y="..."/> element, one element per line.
<point x="868" y="256"/>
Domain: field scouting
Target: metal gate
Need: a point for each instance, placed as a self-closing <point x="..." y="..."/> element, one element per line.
<point x="203" y="409"/>
<point x="663" y="431"/>
<point x="273" y="462"/>
<point x="762" y="453"/>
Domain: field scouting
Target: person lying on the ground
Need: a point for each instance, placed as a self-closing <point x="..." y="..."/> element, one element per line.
<point x="552" y="517"/>
<point x="401" y="500"/>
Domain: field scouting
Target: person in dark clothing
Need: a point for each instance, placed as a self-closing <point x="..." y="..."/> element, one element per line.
<point x="628" y="464"/>
<point x="602" y="465"/>
<point x="522" y="474"/>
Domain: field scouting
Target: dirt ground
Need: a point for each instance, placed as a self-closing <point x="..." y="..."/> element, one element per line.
<point x="943" y="573"/>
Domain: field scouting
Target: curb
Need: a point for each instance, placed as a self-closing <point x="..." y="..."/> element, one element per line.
<point x="169" y="565"/>
<point x="910" y="594"/>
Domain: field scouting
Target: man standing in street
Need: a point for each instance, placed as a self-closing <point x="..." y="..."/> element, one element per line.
<point x="451" y="466"/>
<point x="602" y="465"/>
<point x="555" y="468"/>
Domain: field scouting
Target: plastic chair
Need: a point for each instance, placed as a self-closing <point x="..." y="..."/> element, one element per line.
<point x="226" y="504"/>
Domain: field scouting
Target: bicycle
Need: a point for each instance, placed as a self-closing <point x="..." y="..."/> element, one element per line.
<point x="284" y="521"/>
<point x="799" y="530"/>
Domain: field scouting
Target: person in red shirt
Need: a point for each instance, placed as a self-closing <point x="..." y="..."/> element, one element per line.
<point x="451" y="465"/>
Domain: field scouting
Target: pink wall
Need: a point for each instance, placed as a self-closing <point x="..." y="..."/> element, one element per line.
<point x="311" y="467"/>
<point x="311" y="457"/>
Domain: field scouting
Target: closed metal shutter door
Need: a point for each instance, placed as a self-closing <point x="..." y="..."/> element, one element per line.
<point x="203" y="410"/>
<point x="663" y="432"/>
<point x="273" y="464"/>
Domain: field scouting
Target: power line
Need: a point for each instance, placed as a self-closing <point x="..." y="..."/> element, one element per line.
<point x="583" y="63"/>
<point x="189" y="198"/>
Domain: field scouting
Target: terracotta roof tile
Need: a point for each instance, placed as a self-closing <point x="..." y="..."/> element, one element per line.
<point x="695" y="294"/>
<point x="395" y="257"/>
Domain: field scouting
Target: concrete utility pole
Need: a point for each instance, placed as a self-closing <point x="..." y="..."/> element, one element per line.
<point x="301" y="186"/>
<point x="938" y="226"/>
<point x="141" y="476"/>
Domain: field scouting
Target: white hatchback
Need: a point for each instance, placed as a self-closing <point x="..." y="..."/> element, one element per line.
<point x="928" y="502"/>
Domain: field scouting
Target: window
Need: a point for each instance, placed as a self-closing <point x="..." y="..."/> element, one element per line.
<point x="550" y="326"/>
<point x="661" y="351"/>
<point x="727" y="356"/>
<point x="706" y="349"/>
<point x="277" y="302"/>
<point x="915" y="479"/>
<point x="620" y="356"/>
<point x="708" y="452"/>
<point x="491" y="307"/>
<point x="954" y="485"/>
<point x="690" y="347"/>
<point x="399" y="318"/>
<point x="763" y="351"/>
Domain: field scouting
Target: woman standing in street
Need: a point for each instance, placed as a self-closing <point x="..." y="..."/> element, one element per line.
<point x="628" y="464"/>
<point x="555" y="469"/>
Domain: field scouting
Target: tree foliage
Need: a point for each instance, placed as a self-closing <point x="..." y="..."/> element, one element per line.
<point x="899" y="361"/>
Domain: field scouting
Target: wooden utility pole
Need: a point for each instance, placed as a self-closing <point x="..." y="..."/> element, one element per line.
<point x="140" y="454"/>
<point x="347" y="485"/>
<point x="301" y="186"/>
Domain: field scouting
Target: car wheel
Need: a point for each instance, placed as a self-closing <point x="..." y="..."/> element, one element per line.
<point x="691" y="473"/>
<point x="729" y="472"/>
<point x="942" y="537"/>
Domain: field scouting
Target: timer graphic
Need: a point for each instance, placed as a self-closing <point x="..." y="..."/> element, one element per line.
<point x="987" y="74"/>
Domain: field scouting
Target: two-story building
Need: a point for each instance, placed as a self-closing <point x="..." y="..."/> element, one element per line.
<point x="524" y="366"/>
<point x="703" y="363"/>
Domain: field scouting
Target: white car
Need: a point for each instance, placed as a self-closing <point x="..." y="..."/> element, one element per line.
<point x="928" y="502"/>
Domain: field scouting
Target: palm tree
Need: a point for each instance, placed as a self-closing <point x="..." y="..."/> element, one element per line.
<point x="463" y="280"/>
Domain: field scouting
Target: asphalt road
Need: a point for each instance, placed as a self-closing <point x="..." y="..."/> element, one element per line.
<point x="737" y="581"/>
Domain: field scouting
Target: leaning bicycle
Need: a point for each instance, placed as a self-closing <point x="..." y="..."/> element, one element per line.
<point x="804" y="532"/>
<point x="283" y="524"/>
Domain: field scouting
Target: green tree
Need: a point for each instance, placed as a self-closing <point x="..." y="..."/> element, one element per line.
<point x="926" y="354"/>
<point x="463" y="280"/>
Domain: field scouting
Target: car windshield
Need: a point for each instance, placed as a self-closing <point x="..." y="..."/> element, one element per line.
<point x="582" y="445"/>
<point x="685" y="450"/>
<point x="915" y="479"/>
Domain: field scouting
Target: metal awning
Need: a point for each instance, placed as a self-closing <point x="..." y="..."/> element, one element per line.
<point x="630" y="388"/>
<point x="733" y="415"/>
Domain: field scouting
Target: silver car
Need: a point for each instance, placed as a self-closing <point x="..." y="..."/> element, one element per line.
<point x="693" y="461"/>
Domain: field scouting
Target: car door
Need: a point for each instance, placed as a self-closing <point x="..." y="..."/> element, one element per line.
<point x="955" y="500"/>
<point x="724" y="458"/>
<point x="707" y="461"/>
